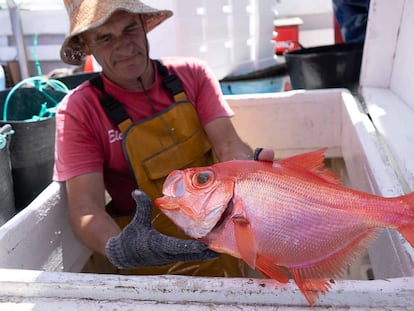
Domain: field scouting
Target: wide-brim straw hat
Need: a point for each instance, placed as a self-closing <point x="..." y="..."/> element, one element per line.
<point x="88" y="14"/>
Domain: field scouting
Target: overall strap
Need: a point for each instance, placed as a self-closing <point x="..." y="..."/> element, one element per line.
<point x="171" y="83"/>
<point x="113" y="108"/>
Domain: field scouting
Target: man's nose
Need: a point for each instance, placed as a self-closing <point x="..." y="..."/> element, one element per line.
<point x="122" y="42"/>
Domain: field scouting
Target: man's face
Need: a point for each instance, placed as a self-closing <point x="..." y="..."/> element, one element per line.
<point x="120" y="47"/>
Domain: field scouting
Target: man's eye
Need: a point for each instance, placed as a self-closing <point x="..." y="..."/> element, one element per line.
<point x="103" y="39"/>
<point x="133" y="30"/>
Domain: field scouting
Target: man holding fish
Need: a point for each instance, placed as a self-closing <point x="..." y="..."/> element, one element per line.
<point x="129" y="128"/>
<point x="142" y="120"/>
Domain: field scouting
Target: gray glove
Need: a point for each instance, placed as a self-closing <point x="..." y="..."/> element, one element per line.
<point x="140" y="245"/>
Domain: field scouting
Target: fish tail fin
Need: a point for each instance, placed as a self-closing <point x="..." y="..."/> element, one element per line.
<point x="407" y="230"/>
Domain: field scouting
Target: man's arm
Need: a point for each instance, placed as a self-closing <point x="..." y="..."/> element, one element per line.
<point x="138" y="244"/>
<point x="91" y="224"/>
<point x="227" y="144"/>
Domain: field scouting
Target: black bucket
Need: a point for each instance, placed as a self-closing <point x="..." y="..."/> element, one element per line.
<point x="33" y="144"/>
<point x="76" y="79"/>
<point x="329" y="66"/>
<point x="7" y="209"/>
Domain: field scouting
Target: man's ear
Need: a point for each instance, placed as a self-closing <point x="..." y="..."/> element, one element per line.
<point x="85" y="48"/>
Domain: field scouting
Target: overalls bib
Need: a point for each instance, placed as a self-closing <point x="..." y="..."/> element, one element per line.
<point x="171" y="139"/>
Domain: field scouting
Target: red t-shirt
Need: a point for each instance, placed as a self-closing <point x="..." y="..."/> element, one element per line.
<point x="87" y="141"/>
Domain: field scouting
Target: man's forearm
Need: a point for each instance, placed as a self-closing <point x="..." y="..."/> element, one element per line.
<point x="94" y="230"/>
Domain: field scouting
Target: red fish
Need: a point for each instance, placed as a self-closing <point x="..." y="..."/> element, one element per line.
<point x="288" y="218"/>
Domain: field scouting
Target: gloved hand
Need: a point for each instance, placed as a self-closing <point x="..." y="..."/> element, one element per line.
<point x="140" y="245"/>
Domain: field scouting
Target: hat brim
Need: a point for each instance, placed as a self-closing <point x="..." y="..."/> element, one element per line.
<point x="71" y="51"/>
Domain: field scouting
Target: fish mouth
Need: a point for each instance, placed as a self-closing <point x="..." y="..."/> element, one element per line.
<point x="167" y="203"/>
<point x="170" y="204"/>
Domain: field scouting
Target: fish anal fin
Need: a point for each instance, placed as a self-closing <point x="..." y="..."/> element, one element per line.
<point x="313" y="162"/>
<point x="271" y="270"/>
<point x="311" y="288"/>
<point x="245" y="239"/>
<point x="408" y="230"/>
<point x="315" y="278"/>
<point x="408" y="233"/>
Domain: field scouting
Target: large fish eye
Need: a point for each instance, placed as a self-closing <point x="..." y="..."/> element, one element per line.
<point x="202" y="179"/>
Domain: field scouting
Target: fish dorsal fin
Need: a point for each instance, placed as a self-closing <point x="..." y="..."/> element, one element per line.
<point x="312" y="162"/>
<point x="245" y="239"/>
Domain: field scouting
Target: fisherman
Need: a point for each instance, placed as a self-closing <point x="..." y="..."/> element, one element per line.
<point x="129" y="128"/>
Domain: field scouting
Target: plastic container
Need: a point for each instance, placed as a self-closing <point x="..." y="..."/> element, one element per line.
<point x="2" y="79"/>
<point x="329" y="66"/>
<point x="72" y="81"/>
<point x="286" y="34"/>
<point x="267" y="80"/>
<point x="7" y="209"/>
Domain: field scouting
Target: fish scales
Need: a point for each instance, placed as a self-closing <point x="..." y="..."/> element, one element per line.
<point x="296" y="220"/>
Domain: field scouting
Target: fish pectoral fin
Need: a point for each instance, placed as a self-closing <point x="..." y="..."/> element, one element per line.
<point x="271" y="270"/>
<point x="245" y="239"/>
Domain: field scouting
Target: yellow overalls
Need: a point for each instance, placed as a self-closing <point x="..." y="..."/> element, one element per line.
<point x="171" y="139"/>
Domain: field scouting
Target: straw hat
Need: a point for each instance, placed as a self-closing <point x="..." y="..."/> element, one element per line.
<point x="89" y="14"/>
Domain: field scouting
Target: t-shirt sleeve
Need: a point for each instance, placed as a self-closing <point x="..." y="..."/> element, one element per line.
<point x="77" y="150"/>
